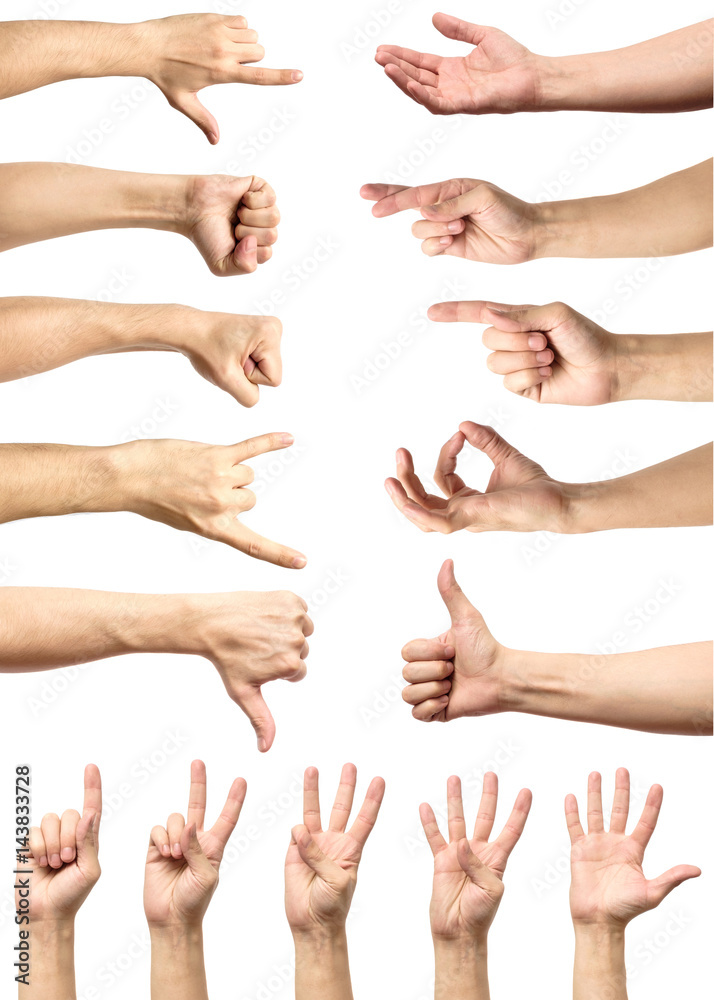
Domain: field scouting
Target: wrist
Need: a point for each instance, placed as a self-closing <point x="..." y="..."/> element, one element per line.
<point x="604" y="932"/>
<point x="152" y="201"/>
<point x="561" y="229"/>
<point x="562" y="82"/>
<point x="320" y="938"/>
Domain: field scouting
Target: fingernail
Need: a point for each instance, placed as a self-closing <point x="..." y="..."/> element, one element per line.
<point x="449" y="652"/>
<point x="286" y="439"/>
<point x="544" y="371"/>
<point x="542" y="356"/>
<point x="299" y="562"/>
<point x="177" y="849"/>
<point x="166" y="850"/>
<point x="55" y="860"/>
<point x="262" y="744"/>
<point x="445" y="239"/>
<point x="296" y="76"/>
<point x="534" y="342"/>
<point x="212" y="138"/>
<point x="454" y="227"/>
<point x="43" y="861"/>
<point x="67" y="854"/>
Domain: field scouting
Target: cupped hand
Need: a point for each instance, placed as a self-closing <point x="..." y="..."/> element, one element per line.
<point x="498" y="75"/>
<point x="237" y="354"/>
<point x="608" y="885"/>
<point x="468" y="873"/>
<point x="202" y="488"/>
<point x="465" y="218"/>
<point x="551" y="353"/>
<point x="520" y="495"/>
<point x="232" y="221"/>
<point x="459" y="673"/>
<point x="321" y="865"/>
<point x="252" y="639"/>
<point x="64" y="856"/>
<point x="191" y="51"/>
<point x="184" y="859"/>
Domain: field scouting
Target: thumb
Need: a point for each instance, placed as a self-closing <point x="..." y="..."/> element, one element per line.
<point x="188" y="104"/>
<point x="452" y="595"/>
<point x="477" y="871"/>
<point x="324" y="867"/>
<point x="658" y="888"/>
<point x="460" y="31"/>
<point x="193" y="852"/>
<point x="245" y="255"/>
<point x="252" y="702"/>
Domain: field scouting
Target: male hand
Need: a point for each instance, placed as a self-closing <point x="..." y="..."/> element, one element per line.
<point x="183" y="860"/>
<point x="459" y="673"/>
<point x="498" y="75"/>
<point x="520" y="495"/>
<point x="465" y="218"/>
<point x="551" y="354"/>
<point x="187" y="52"/>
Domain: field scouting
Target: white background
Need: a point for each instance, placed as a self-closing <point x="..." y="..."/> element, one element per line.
<point x="348" y="125"/>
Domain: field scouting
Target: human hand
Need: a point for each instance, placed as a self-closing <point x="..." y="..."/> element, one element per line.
<point x="498" y="75"/>
<point x="64" y="856"/>
<point x="187" y="52"/>
<point x="200" y="488"/>
<point x="321" y="865"/>
<point x="251" y="639"/>
<point x="183" y="860"/>
<point x="608" y="885"/>
<point x="551" y="354"/>
<point x="232" y="221"/>
<point x="468" y="874"/>
<point x="464" y="218"/>
<point x="236" y="353"/>
<point x="520" y="495"/>
<point x="460" y="673"/>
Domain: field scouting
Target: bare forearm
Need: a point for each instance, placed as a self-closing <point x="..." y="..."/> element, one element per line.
<point x="664" y="690"/>
<point x="599" y="971"/>
<point x="674" y="493"/>
<point x="44" y="628"/>
<point x="177" y="964"/>
<point x="461" y="970"/>
<point x="667" y="366"/>
<point x="322" y="968"/>
<point x="51" y="975"/>
<point x="672" y="215"/>
<point x="38" y="334"/>
<point x="670" y="73"/>
<point x="36" y="53"/>
<point x="41" y="201"/>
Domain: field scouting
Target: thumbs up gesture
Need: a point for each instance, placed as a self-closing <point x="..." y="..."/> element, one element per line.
<point x="459" y="673"/>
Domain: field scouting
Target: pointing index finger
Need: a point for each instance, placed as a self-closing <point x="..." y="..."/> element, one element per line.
<point x="197" y="795"/>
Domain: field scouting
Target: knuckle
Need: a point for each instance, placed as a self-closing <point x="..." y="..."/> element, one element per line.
<point x="248" y="499"/>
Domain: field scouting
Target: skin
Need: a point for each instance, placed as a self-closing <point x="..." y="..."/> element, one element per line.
<point x="63" y="869"/>
<point x="521" y="496"/>
<point x="478" y="221"/>
<point x="500" y="76"/>
<point x="232" y="221"/>
<point x="189" y="486"/>
<point x="180" y="54"/>
<point x="608" y="886"/>
<point x="250" y="638"/>
<point x="320" y="878"/>
<point x="182" y="867"/>
<point x="466" y="673"/>
<point x="553" y="354"/>
<point x="468" y="886"/>
<point x="239" y="354"/>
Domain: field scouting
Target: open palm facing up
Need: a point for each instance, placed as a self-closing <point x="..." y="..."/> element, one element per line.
<point x="498" y="75"/>
<point x="321" y="865"/>
<point x="468" y="873"/>
<point x="64" y="856"/>
<point x="184" y="858"/>
<point x="608" y="885"/>
<point x="520" y="495"/>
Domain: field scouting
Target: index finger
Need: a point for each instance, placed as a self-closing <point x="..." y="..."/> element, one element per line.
<point x="92" y="793"/>
<point x="267" y="77"/>
<point x="342" y="806"/>
<point x="648" y="820"/>
<point x="391" y="199"/>
<point x="259" y="194"/>
<point x="445" y="475"/>
<point x="226" y="822"/>
<point x="258" y="547"/>
<point x="260" y="445"/>
<point x="367" y="816"/>
<point x="466" y="312"/>
<point x="511" y="833"/>
<point x="311" y="800"/>
<point x="487" y="808"/>
<point x="197" y="795"/>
